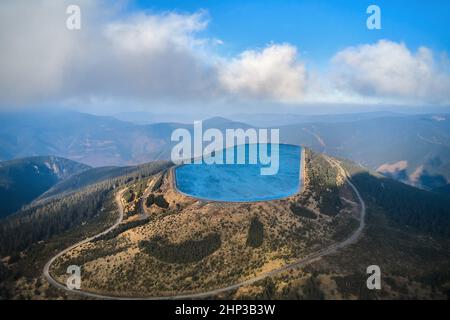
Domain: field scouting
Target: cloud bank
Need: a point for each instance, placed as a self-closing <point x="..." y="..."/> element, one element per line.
<point x="139" y="57"/>
<point x="273" y="73"/>
<point x="390" y="69"/>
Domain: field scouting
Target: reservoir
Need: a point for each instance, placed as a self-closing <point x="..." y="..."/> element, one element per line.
<point x="242" y="182"/>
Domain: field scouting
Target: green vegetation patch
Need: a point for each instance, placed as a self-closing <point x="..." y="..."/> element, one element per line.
<point x="150" y="200"/>
<point x="184" y="252"/>
<point x="302" y="211"/>
<point x="344" y="228"/>
<point x="323" y="185"/>
<point x="255" y="233"/>
<point x="129" y="196"/>
<point x="354" y="285"/>
<point x="403" y="204"/>
<point x="161" y="202"/>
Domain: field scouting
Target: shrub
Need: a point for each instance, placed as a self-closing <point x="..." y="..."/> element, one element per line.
<point x="302" y="211"/>
<point x="129" y="196"/>
<point x="184" y="252"/>
<point x="161" y="202"/>
<point x="255" y="233"/>
<point x="150" y="200"/>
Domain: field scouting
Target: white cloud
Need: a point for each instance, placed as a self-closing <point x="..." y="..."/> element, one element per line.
<point x="388" y="69"/>
<point x="122" y="58"/>
<point x="134" y="57"/>
<point x="273" y="73"/>
<point x="148" y="57"/>
<point x="34" y="51"/>
<point x="156" y="32"/>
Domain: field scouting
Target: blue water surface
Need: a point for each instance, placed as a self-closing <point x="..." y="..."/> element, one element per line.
<point x="242" y="182"/>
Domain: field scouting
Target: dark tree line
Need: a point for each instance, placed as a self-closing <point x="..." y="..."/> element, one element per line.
<point x="62" y="212"/>
<point x="159" y="200"/>
<point x="184" y="252"/>
<point x="42" y="222"/>
<point x="255" y="235"/>
<point x="302" y="211"/>
<point x="322" y="177"/>
<point x="405" y="205"/>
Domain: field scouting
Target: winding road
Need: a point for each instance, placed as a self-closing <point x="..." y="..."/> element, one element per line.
<point x="46" y="272"/>
<point x="295" y="264"/>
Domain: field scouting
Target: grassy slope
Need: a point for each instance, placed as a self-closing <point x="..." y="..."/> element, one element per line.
<point x="414" y="258"/>
<point x="30" y="237"/>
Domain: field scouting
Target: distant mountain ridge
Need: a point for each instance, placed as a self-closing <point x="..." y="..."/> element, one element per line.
<point x="285" y="119"/>
<point x="95" y="140"/>
<point x="414" y="149"/>
<point x="22" y="180"/>
<point x="443" y="190"/>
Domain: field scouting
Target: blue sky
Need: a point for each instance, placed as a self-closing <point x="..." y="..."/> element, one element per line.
<point x="317" y="28"/>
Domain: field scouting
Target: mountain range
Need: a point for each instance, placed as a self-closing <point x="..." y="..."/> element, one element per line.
<point x="49" y="202"/>
<point x="414" y="149"/>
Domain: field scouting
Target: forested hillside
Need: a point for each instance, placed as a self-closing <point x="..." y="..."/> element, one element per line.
<point x="404" y="205"/>
<point x="23" y="180"/>
<point x="92" y="176"/>
<point x="45" y="220"/>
